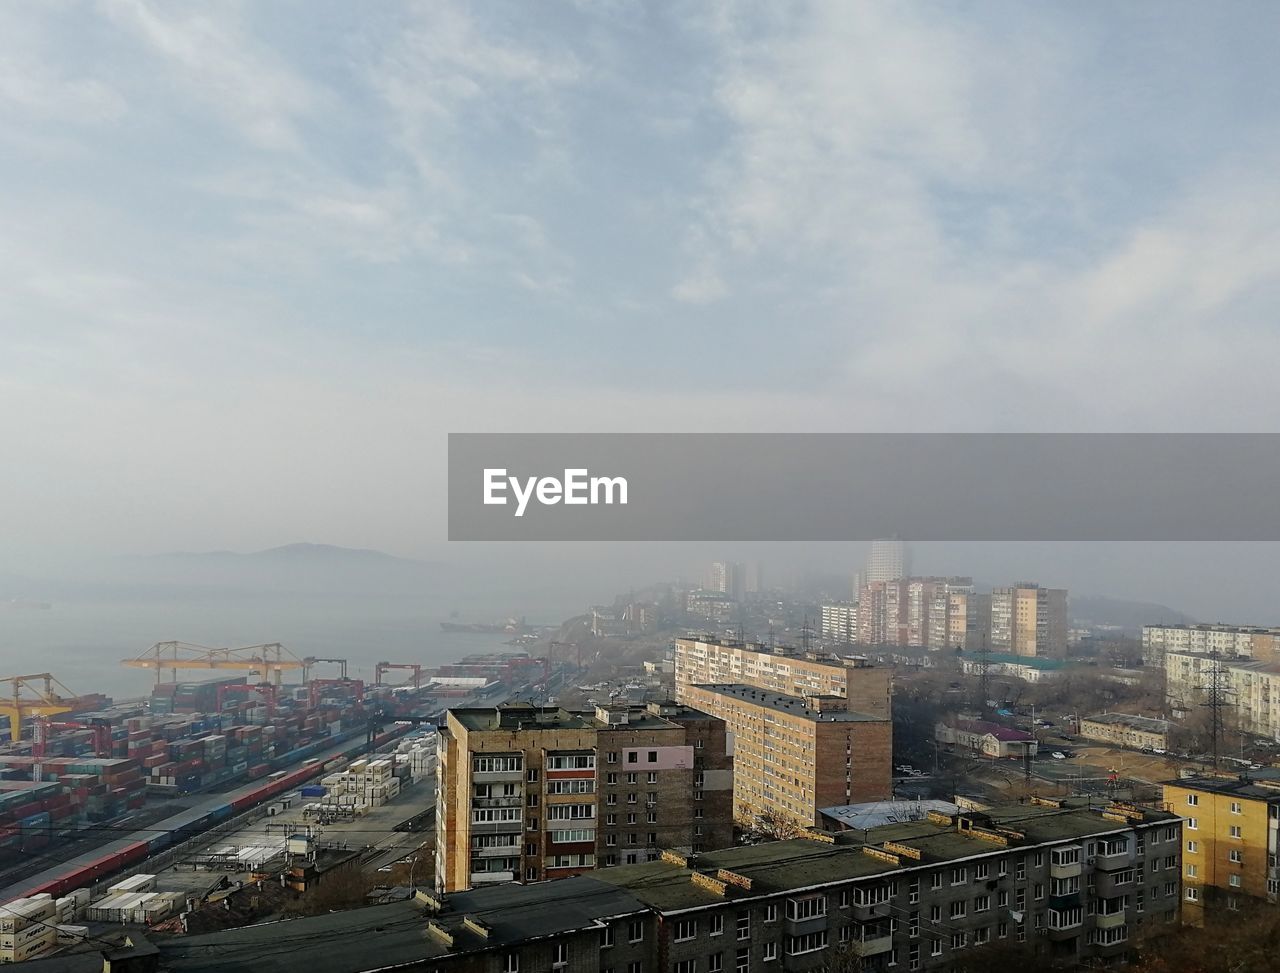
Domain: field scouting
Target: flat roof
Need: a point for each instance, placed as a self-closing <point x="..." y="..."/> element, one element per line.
<point x="1233" y="786"/>
<point x="507" y="717"/>
<point x="1134" y="722"/>
<point x="791" y="705"/>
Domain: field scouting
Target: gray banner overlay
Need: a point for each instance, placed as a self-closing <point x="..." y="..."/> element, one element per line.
<point x="856" y="487"/>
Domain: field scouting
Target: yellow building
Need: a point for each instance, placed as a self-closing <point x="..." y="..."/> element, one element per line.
<point x="1229" y="832"/>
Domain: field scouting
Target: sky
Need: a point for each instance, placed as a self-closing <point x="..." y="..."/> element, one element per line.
<point x="258" y="259"/>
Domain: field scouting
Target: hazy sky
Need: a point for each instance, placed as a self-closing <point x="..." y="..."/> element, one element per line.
<point x="257" y="258"/>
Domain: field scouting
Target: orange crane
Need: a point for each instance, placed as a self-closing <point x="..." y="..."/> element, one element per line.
<point x="41" y="725"/>
<point x="382" y="667"/>
<point x="270" y="660"/>
<point x="32" y="696"/>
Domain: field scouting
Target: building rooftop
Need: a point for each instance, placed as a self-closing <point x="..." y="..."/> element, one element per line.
<point x="527" y="716"/>
<point x="1145" y="723"/>
<point x="997" y="730"/>
<point x="1247" y="787"/>
<point x="798" y="706"/>
<point x="874" y="814"/>
<point x="1008" y="659"/>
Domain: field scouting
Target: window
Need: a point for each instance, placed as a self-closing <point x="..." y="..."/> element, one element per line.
<point x="1002" y="899"/>
<point x="1020" y="870"/>
<point x="959" y="876"/>
<point x="606" y="937"/>
<point x="810" y="942"/>
<point x="771" y="911"/>
<point x="1193" y="800"/>
<point x="913" y="892"/>
<point x="716" y="922"/>
<point x="1233" y="880"/>
<point x="744" y="925"/>
<point x="980" y="871"/>
<point x="1193" y="895"/>
<point x="632" y="778"/>
<point x="653" y="756"/>
<point x="913" y="957"/>
<point x="575" y="834"/>
<point x="633" y="757"/>
<point x="1065" y="856"/>
<point x="532" y="776"/>
<point x="935" y="914"/>
<point x="653" y="777"/>
<point x="686" y="929"/>
<point x="1236" y="808"/>
<point x="570" y="812"/>
<point x="635" y="931"/>
<point x="1039" y="859"/>
<point x="1236" y="856"/>
<point x="715" y="963"/>
<point x="571" y="786"/>
<point x="612" y="757"/>
<point x="844" y="898"/>
<point x="1192" y="871"/>
<point x="982" y="903"/>
<point x="497" y="765"/>
<point x="1193" y="847"/>
<point x="1109" y="937"/>
<point x="935" y="948"/>
<point x="1193" y="824"/>
<point x="1235" y="831"/>
<point x="559" y="955"/>
<point x="913" y="925"/>
<point x="770" y="952"/>
<point x="1039" y="890"/>
<point x="635" y="966"/>
<point x="1064" y="886"/>
<point x="686" y="966"/>
<point x="511" y="963"/>
<point x="982" y="936"/>
<point x="935" y="880"/>
<point x="959" y="940"/>
<point x="571" y="762"/>
<point x="611" y="778"/>
<point x="958" y="910"/>
<point x="798" y="910"/>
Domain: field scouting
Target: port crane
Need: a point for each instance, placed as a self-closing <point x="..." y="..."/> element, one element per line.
<point x="40" y="727"/>
<point x="270" y="660"/>
<point x="383" y="667"/>
<point x="32" y="696"/>
<point x="311" y="661"/>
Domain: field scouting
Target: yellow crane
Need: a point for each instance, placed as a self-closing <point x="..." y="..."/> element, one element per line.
<point x="35" y="695"/>
<point x="269" y="661"/>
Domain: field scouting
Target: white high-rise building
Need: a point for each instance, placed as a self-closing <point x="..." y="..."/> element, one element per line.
<point x="887" y="561"/>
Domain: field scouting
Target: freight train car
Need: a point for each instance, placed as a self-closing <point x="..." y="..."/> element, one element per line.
<point x="113" y="857"/>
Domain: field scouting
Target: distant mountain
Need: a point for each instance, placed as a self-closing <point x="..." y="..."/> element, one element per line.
<point x="1091" y="610"/>
<point x="296" y="553"/>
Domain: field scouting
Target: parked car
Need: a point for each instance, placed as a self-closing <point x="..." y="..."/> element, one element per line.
<point x="1058" y="755"/>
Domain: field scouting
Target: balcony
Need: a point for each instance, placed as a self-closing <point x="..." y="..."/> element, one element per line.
<point x="873" y="939"/>
<point x="492" y="878"/>
<point x="497" y="777"/>
<point x="499" y="851"/>
<point x="1110" y="922"/>
<point x="515" y="801"/>
<point x="1066" y="871"/>
<point x="869" y="911"/>
<point x="1113" y="859"/>
<point x="1108" y="885"/>
<point x="497" y="827"/>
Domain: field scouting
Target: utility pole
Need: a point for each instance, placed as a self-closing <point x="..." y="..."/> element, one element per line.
<point x="806" y="635"/>
<point x="1216" y="699"/>
<point x="984" y="676"/>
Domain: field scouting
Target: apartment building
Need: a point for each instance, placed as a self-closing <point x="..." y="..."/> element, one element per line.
<point x="1127" y="730"/>
<point x="1029" y="620"/>
<point x="704" y="660"/>
<point x="936" y="613"/>
<point x="840" y="621"/>
<point x="1231" y="828"/>
<point x="1252" y="685"/>
<point x="887" y="560"/>
<point x="1068" y="881"/>
<point x="793" y="755"/>
<point x="1229" y="641"/>
<point x="528" y="792"/>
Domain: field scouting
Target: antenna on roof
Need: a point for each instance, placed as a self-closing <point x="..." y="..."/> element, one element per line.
<point x="806" y="634"/>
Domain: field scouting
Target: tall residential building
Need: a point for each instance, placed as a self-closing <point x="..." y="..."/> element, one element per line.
<point x="930" y="612"/>
<point x="531" y="793"/>
<point x="807" y="730"/>
<point x="701" y="661"/>
<point x="840" y="621"/>
<point x="793" y="755"/>
<point x="1029" y="620"/>
<point x="727" y="577"/>
<point x="886" y="561"/>
<point x="1070" y="883"/>
<point x="1229" y="641"/>
<point x="1231" y="828"/>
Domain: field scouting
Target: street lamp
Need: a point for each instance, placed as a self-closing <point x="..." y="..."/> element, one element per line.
<point x="413" y="863"/>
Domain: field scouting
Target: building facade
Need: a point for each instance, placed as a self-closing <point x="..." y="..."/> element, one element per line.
<point x="529" y="793"/>
<point x="1125" y="730"/>
<point x="936" y="613"/>
<point x="1229" y="641"/>
<point x="840" y="622"/>
<point x="985" y="738"/>
<point x="1251" y="685"/>
<point x="793" y="755"/>
<point x="886" y="561"/>
<point x="1231" y="828"/>
<point x="1058" y="880"/>
<point x="1029" y="620"/>
<point x="703" y="660"/>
